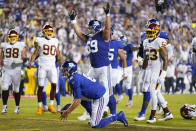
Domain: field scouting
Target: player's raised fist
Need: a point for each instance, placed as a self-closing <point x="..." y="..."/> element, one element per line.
<point x="107" y="8"/>
<point x="72" y="14"/>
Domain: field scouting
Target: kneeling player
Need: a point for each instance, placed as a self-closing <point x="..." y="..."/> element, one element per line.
<point x="84" y="87"/>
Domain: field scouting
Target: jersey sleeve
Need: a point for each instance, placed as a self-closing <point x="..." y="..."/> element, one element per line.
<point x="162" y="43"/>
<point x="120" y="45"/>
<point x="194" y="42"/>
<point x="3" y="45"/>
<point x="37" y="41"/>
<point x="75" y="86"/>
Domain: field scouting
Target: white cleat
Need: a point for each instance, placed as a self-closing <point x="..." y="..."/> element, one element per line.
<point x="84" y="117"/>
<point x="151" y="120"/>
<point x="17" y="109"/>
<point x="140" y="118"/>
<point x="119" y="98"/>
<point x="130" y="103"/>
<point x="4" y="110"/>
<point x="167" y="116"/>
<point x="45" y="109"/>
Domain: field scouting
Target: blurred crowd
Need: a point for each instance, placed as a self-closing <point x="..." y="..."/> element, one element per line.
<point x="129" y="17"/>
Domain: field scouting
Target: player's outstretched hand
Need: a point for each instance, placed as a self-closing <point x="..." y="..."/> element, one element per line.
<point x="64" y="115"/>
<point x="72" y="15"/>
<point x="107" y="8"/>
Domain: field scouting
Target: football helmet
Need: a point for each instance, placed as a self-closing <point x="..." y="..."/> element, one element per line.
<point x="48" y="31"/>
<point x="124" y="39"/>
<point x="184" y="111"/>
<point x="153" y="29"/>
<point x="12" y="36"/>
<point x="164" y="35"/>
<point x="94" y="26"/>
<point x="69" y="68"/>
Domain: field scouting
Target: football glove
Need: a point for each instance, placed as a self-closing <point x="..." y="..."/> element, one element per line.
<point x="72" y="15"/>
<point x="107" y="8"/>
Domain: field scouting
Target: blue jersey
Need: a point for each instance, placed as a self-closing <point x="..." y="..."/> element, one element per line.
<point x="128" y="54"/>
<point x="99" y="50"/>
<point x="81" y="85"/>
<point x="113" y="55"/>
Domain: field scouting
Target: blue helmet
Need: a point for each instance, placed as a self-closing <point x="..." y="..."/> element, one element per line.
<point x="164" y="35"/>
<point x="69" y="68"/>
<point x="153" y="21"/>
<point x="94" y="26"/>
<point x="123" y="39"/>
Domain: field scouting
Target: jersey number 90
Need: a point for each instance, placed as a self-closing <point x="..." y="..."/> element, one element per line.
<point x="49" y="49"/>
<point x="92" y="46"/>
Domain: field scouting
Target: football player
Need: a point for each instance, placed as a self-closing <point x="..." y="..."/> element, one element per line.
<point x="116" y="49"/>
<point x="97" y="40"/>
<point x="13" y="54"/>
<point x="155" y="71"/>
<point x="128" y="49"/>
<point x="87" y="88"/>
<point x="194" y="51"/>
<point x="47" y="49"/>
<point x="146" y="92"/>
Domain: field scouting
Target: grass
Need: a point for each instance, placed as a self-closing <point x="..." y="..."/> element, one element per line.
<point x="28" y="120"/>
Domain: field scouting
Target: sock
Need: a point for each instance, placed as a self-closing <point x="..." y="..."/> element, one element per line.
<point x="146" y="100"/>
<point x="106" y="121"/>
<point x="52" y="91"/>
<point x="51" y="102"/>
<point x="130" y="93"/>
<point x="39" y="93"/>
<point x="44" y="99"/>
<point x="153" y="112"/>
<point x="118" y="89"/>
<point x="166" y="110"/>
<point x="112" y="105"/>
<point x="57" y="97"/>
<point x="5" y="95"/>
<point x="17" y="98"/>
<point x="39" y="104"/>
<point x="87" y="106"/>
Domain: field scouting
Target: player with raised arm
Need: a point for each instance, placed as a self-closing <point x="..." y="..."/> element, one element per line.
<point x="84" y="87"/>
<point x="13" y="54"/>
<point x="155" y="66"/>
<point x="97" y="40"/>
<point x="47" y="49"/>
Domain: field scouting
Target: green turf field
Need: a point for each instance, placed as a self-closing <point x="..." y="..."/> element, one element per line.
<point x="28" y="120"/>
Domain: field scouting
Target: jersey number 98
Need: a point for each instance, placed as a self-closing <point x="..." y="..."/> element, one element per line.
<point x="12" y="52"/>
<point x="92" y="46"/>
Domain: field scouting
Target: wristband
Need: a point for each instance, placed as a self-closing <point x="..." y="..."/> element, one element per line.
<point x="108" y="14"/>
<point x="125" y="71"/>
<point x="73" y="21"/>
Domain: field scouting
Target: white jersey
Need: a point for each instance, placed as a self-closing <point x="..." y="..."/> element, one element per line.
<point x="152" y="52"/>
<point x="12" y="53"/>
<point x="47" y="51"/>
<point x="169" y="51"/>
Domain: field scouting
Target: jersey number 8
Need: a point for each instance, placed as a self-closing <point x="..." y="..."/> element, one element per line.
<point x="12" y="52"/>
<point x="92" y="46"/>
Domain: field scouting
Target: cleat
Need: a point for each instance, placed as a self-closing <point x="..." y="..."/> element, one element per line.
<point x="160" y="110"/>
<point x="39" y="110"/>
<point x="45" y="109"/>
<point x="151" y="119"/>
<point x="122" y="118"/>
<point x="84" y="117"/>
<point x="167" y="116"/>
<point x="4" y="110"/>
<point x="17" y="109"/>
<point x="130" y="103"/>
<point x="51" y="109"/>
<point x="140" y="117"/>
<point x="119" y="98"/>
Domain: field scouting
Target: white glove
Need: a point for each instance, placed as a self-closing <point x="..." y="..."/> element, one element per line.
<point x="18" y="61"/>
<point x="162" y="76"/>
